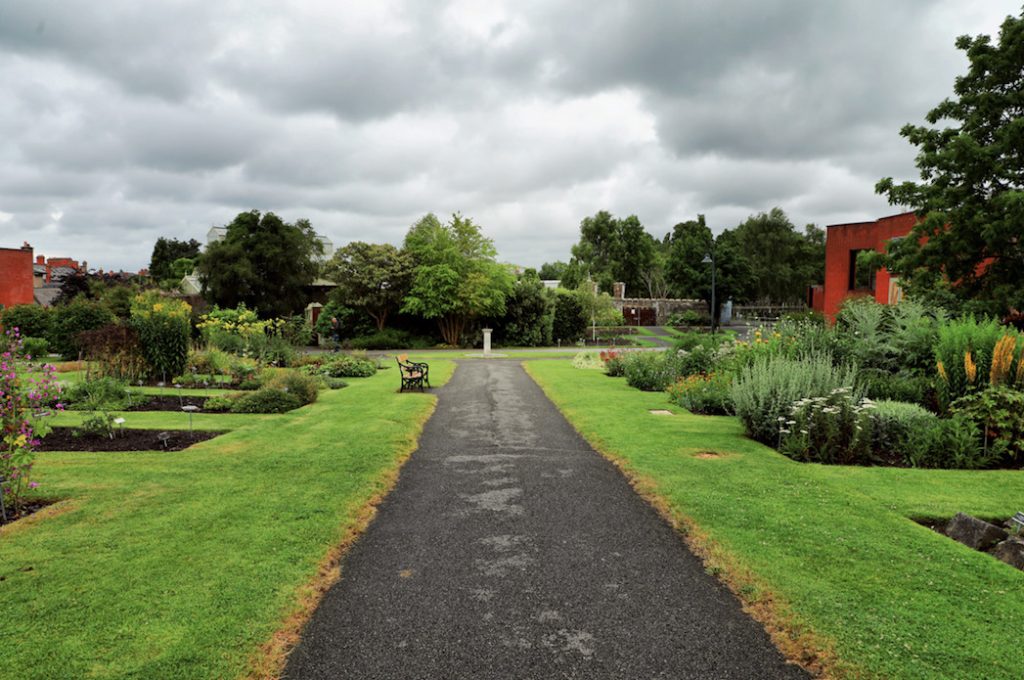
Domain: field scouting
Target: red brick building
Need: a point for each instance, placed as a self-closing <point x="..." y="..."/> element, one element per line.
<point x="16" y="287"/>
<point x="842" y="279"/>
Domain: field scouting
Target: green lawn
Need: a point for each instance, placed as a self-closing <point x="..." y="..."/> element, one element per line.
<point x="829" y="554"/>
<point x="184" y="565"/>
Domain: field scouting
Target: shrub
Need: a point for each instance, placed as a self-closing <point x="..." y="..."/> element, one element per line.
<point x="98" y="394"/>
<point x="220" y="403"/>
<point x="67" y="321"/>
<point x="614" y="363"/>
<point x="24" y="405"/>
<point x="114" y="351"/>
<point x="951" y="443"/>
<point x="689" y="317"/>
<point x="348" y="366"/>
<point x="35" y="348"/>
<point x="834" y="429"/>
<point x="767" y="390"/>
<point x="708" y="394"/>
<point x="910" y="387"/>
<point x="699" y="360"/>
<point x="998" y="411"/>
<point x="335" y="383"/>
<point x="164" y="332"/>
<point x="570" y="322"/>
<point x="30" y="320"/>
<point x="96" y="425"/>
<point x="690" y="339"/>
<point x="302" y="385"/>
<point x="649" y="371"/>
<point x="588" y="360"/>
<point x="389" y="338"/>
<point x="964" y="352"/>
<point x="266" y="400"/>
<point x="895" y="423"/>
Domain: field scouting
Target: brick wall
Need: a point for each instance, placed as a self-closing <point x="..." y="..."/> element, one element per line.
<point x="842" y="241"/>
<point x="16" y="286"/>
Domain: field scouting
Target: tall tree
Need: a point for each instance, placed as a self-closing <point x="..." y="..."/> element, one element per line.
<point x="783" y="262"/>
<point x="455" y="277"/>
<point x="685" y="247"/>
<point x="371" y="277"/>
<point x="166" y="251"/>
<point x="529" y="314"/>
<point x="968" y="247"/>
<point x="689" y="276"/>
<point x="612" y="249"/>
<point x="552" y="271"/>
<point x="261" y="261"/>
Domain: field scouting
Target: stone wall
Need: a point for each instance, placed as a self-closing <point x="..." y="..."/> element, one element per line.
<point x="663" y="308"/>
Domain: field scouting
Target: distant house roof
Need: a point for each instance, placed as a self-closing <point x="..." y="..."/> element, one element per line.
<point x="59" y="273"/>
<point x="45" y="295"/>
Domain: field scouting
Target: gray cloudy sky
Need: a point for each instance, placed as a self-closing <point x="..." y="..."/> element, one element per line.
<point x="122" y="121"/>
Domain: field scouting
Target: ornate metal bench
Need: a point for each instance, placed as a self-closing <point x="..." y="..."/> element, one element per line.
<point x="415" y="374"/>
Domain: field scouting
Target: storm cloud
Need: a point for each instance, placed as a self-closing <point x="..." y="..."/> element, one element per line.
<point x="126" y="121"/>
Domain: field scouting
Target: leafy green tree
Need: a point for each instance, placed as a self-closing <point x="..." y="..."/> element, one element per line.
<point x="455" y="278"/>
<point x="689" y="276"/>
<point x="968" y="249"/>
<point x="166" y="251"/>
<point x="529" y="314"/>
<point x="68" y="320"/>
<point x="552" y="271"/>
<point x="570" y="322"/>
<point x="783" y="262"/>
<point x="686" y="246"/>
<point x="32" y="321"/>
<point x="598" y="307"/>
<point x="611" y="250"/>
<point x="262" y="262"/>
<point x="371" y="277"/>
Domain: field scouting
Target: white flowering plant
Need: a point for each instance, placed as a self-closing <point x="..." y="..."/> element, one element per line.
<point x="834" y="429"/>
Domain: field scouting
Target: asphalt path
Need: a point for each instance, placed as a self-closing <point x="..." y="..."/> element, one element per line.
<point x="510" y="549"/>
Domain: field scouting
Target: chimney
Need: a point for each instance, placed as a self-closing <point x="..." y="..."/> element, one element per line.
<point x="48" y="272"/>
<point x="26" y="246"/>
<point x="40" y="259"/>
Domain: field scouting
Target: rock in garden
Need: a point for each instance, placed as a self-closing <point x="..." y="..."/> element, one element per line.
<point x="1011" y="551"/>
<point x="973" y="532"/>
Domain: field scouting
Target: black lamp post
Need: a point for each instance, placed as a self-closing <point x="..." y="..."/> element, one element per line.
<point x="709" y="258"/>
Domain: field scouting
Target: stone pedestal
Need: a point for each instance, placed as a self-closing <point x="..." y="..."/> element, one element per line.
<point x="487" y="341"/>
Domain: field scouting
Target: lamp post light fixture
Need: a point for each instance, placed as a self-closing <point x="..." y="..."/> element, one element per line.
<point x="709" y="258"/>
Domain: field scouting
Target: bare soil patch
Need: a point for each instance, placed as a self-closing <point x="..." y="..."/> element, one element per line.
<point x="63" y="439"/>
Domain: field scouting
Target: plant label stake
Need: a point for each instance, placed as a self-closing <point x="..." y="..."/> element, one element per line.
<point x="120" y="424"/>
<point x="163" y="437"/>
<point x="190" y="409"/>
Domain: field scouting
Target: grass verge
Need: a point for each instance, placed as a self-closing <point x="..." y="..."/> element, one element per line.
<point x="827" y="557"/>
<point x="191" y="564"/>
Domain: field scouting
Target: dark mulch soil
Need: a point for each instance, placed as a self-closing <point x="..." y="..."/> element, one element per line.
<point x="26" y="509"/>
<point x="63" y="439"/>
<point x="167" y="403"/>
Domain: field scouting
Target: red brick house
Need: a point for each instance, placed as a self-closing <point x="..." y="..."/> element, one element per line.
<point x="842" y="279"/>
<point x="16" y="284"/>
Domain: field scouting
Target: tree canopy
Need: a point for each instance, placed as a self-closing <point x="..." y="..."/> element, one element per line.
<point x="612" y="249"/>
<point x="372" y="277"/>
<point x="263" y="262"/>
<point x="165" y="252"/>
<point x="967" y="250"/>
<point x="783" y="262"/>
<point x="455" y="276"/>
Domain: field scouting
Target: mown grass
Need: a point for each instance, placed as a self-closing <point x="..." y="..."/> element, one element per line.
<point x="182" y="565"/>
<point x="829" y="552"/>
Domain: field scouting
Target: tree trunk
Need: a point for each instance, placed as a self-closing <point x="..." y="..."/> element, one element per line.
<point x="381" y="318"/>
<point x="451" y="329"/>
